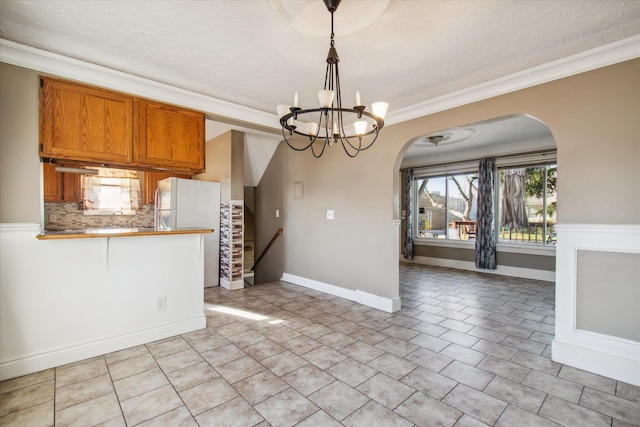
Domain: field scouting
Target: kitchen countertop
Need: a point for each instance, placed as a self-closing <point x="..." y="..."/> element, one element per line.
<point x="118" y="232"/>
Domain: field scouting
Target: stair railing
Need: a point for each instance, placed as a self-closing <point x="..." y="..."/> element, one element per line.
<point x="273" y="240"/>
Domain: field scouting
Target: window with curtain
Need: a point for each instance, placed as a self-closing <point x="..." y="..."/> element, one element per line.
<point x="527" y="204"/>
<point x="111" y="190"/>
<point x="447" y="206"/>
<point x="446" y="200"/>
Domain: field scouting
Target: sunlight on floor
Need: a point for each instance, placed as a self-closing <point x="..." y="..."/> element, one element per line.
<point x="237" y="312"/>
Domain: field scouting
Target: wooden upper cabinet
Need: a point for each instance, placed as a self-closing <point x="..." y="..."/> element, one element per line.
<point x="84" y="123"/>
<point x="170" y="137"/>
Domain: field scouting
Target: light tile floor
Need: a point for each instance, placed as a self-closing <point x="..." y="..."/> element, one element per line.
<point x="466" y="350"/>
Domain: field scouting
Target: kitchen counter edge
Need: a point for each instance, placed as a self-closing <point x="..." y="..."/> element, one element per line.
<point x="88" y="234"/>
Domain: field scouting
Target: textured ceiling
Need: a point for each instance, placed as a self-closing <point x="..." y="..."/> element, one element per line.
<point x="258" y="53"/>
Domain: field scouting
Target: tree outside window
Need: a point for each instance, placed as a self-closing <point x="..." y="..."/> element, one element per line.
<point x="527" y="204"/>
<point x="447" y="206"/>
<point x="525" y="211"/>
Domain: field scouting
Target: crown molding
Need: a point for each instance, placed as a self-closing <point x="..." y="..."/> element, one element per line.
<point x="62" y="66"/>
<point x="73" y="69"/>
<point x="602" y="56"/>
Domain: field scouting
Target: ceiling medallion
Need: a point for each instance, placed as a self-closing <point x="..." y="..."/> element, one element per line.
<point x="305" y="16"/>
<point x="354" y="128"/>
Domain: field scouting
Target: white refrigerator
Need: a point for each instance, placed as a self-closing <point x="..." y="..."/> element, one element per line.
<point x="191" y="203"/>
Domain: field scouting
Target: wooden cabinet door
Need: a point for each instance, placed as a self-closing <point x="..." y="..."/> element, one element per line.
<point x="61" y="187"/>
<point x="84" y="123"/>
<point x="151" y="184"/>
<point x="170" y="137"/>
<point x="52" y="183"/>
<point x="72" y="187"/>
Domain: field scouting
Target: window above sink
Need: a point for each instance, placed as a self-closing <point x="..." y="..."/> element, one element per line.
<point x="111" y="190"/>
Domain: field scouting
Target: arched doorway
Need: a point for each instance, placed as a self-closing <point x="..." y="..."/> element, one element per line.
<point x="440" y="226"/>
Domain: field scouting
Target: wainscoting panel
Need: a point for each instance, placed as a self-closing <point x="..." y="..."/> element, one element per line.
<point x="608" y="293"/>
<point x="598" y="299"/>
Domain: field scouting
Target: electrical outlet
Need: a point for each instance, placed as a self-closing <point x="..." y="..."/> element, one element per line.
<point x="277" y="213"/>
<point x="330" y="214"/>
<point x="161" y="303"/>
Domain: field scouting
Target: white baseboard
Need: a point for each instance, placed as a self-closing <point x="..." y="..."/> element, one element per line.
<point x="27" y="365"/>
<point x="232" y="286"/>
<point x="390" y="305"/>
<point x="525" y="273"/>
<point x="606" y="364"/>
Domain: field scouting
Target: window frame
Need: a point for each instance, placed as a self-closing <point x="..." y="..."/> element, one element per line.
<point x="108" y="174"/>
<point x="497" y="203"/>
<point x="416" y="196"/>
<point x="527" y="160"/>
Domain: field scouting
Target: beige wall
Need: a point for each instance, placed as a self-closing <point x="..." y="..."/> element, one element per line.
<point x="268" y="197"/>
<point x="353" y="250"/>
<point x="224" y="164"/>
<point x="594" y="120"/>
<point x="237" y="165"/>
<point x="20" y="199"/>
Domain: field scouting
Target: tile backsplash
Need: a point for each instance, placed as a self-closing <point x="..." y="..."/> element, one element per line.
<point x="70" y="216"/>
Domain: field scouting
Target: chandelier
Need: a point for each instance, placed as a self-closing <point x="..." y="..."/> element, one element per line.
<point x="356" y="129"/>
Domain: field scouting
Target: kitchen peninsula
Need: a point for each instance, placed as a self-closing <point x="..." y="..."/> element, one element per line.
<point x="118" y="232"/>
<point x="83" y="293"/>
<point x="71" y="295"/>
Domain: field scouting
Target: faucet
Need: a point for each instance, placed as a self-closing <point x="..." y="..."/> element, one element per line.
<point x="113" y="218"/>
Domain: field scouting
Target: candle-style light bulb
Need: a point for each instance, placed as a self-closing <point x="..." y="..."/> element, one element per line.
<point x="312" y="128"/>
<point x="283" y="110"/>
<point x="358" y="98"/>
<point x="295" y="100"/>
<point x="380" y="109"/>
<point x="360" y="127"/>
<point x="326" y="98"/>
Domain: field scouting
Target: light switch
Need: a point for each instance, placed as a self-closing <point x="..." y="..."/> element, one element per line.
<point x="330" y="214"/>
<point x="277" y="213"/>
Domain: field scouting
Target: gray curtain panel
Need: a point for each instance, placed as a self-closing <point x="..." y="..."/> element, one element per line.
<point x="408" y="206"/>
<point x="485" y="235"/>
